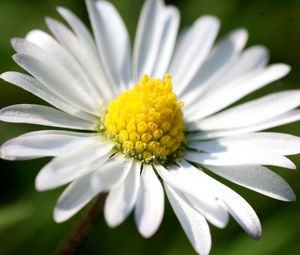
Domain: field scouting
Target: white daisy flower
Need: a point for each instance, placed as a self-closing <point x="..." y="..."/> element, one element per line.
<point x="154" y="119"/>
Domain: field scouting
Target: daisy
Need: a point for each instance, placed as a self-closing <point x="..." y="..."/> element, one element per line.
<point x="159" y="119"/>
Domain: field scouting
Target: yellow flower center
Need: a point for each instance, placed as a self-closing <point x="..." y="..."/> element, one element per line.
<point x="146" y="122"/>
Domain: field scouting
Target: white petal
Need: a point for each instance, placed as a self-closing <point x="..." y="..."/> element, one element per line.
<point x="217" y="99"/>
<point x="35" y="87"/>
<point x="282" y="144"/>
<point x="82" y="191"/>
<point x="242" y="212"/>
<point x="112" y="40"/>
<point x="52" y="47"/>
<point x="257" y="178"/>
<point x="75" y="197"/>
<point x="57" y="79"/>
<point x="283" y="119"/>
<point x="195" y="47"/>
<point x="149" y="208"/>
<point x="237" y="158"/>
<point x="252" y="112"/>
<point x="73" y="164"/>
<point x="236" y="205"/>
<point x="147" y="38"/>
<point x="80" y="30"/>
<point x="46" y="143"/>
<point x="214" y="67"/>
<point x="119" y="169"/>
<point x="84" y="49"/>
<point x="171" y="24"/>
<point x="182" y="33"/>
<point x="214" y="213"/>
<point x="199" y="195"/>
<point x="43" y="115"/>
<point x="251" y="59"/>
<point x="122" y="198"/>
<point x="89" y="64"/>
<point x="44" y="48"/>
<point x="194" y="225"/>
<point x="152" y="38"/>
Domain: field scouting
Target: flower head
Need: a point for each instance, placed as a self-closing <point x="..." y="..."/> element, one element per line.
<point x="155" y="121"/>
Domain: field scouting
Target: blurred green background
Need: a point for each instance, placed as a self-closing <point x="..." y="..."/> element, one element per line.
<point x="26" y="225"/>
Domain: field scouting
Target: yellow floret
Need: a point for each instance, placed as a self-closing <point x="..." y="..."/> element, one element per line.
<point x="147" y="121"/>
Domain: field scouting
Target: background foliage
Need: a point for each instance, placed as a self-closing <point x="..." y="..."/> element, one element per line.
<point x="26" y="225"/>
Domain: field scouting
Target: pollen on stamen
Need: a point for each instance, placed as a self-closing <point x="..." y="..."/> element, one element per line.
<point x="146" y="122"/>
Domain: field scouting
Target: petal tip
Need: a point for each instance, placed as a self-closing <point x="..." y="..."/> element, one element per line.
<point x="241" y="32"/>
<point x="286" y="68"/>
<point x="212" y="18"/>
<point x="292" y="197"/>
<point x="145" y="233"/>
<point x="292" y="166"/>
<point x="59" y="216"/>
<point x="18" y="58"/>
<point x="41" y="183"/>
<point x="112" y="224"/>
<point x="281" y="69"/>
<point x="2" y="151"/>
<point x="49" y="20"/>
<point x="3" y="76"/>
<point x="61" y="9"/>
<point x="111" y="221"/>
<point x="257" y="236"/>
<point x="256" y="233"/>
<point x="39" y="186"/>
<point x="16" y="43"/>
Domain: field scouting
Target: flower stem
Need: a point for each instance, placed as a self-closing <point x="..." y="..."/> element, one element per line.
<point x="82" y="229"/>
